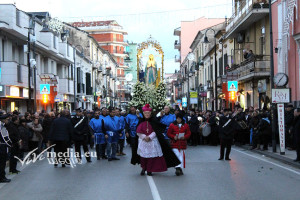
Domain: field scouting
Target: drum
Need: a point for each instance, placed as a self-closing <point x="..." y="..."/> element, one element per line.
<point x="206" y="129"/>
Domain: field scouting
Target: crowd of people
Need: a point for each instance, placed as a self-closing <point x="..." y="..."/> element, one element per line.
<point x="158" y="140"/>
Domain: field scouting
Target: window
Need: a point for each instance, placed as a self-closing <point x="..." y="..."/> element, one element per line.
<point x="19" y="73"/>
<point x="18" y="18"/>
<point x="89" y="89"/>
<point x="68" y="50"/>
<point x="54" y="41"/>
<point x="220" y="66"/>
<point x="2" y="50"/>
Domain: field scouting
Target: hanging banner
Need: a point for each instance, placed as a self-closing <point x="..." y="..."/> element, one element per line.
<point x="280" y="109"/>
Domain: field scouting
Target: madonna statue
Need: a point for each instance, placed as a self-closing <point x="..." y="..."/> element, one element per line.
<point x="151" y="71"/>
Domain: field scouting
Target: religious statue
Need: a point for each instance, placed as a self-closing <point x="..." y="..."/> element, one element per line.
<point x="151" y="71"/>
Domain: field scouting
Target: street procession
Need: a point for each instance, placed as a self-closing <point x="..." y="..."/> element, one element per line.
<point x="93" y="104"/>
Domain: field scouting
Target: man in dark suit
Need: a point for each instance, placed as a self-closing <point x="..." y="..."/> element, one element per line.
<point x="194" y="127"/>
<point x="5" y="142"/>
<point x="226" y="130"/>
<point x="296" y="131"/>
<point x="81" y="135"/>
<point x="61" y="134"/>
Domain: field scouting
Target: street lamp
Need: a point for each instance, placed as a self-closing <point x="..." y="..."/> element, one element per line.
<point x="74" y="57"/>
<point x="206" y="41"/>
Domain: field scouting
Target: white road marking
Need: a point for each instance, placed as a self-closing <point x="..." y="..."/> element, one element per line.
<point x="153" y="188"/>
<point x="265" y="160"/>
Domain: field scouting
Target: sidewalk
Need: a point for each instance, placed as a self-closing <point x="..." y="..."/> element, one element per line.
<point x="288" y="158"/>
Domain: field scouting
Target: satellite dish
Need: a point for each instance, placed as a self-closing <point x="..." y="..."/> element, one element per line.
<point x="129" y="77"/>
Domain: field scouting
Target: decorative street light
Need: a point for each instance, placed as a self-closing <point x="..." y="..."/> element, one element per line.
<point x="216" y="89"/>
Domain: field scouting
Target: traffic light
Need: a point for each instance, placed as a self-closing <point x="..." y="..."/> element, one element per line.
<point x="45" y="98"/>
<point x="232" y="95"/>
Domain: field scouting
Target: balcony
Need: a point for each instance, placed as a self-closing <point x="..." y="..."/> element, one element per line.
<point x="177" y="31"/>
<point x="13" y="21"/>
<point x="177" y="45"/>
<point x="12" y="73"/>
<point x="249" y="12"/>
<point x="67" y="51"/>
<point x="259" y="67"/>
<point x="65" y="86"/>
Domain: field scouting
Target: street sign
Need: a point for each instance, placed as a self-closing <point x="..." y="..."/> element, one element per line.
<point x="194" y="100"/>
<point x="233" y="86"/>
<point x="281" y="95"/>
<point x="184" y="102"/>
<point x="57" y="100"/>
<point x="281" y="127"/>
<point x="179" y="101"/>
<point x="193" y="95"/>
<point x="44" y="88"/>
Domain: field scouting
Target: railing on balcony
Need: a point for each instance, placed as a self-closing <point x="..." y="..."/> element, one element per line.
<point x="258" y="64"/>
<point x="243" y="8"/>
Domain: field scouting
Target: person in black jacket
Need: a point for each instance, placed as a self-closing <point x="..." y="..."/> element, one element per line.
<point x="289" y="119"/>
<point x="60" y="135"/>
<point x="80" y="135"/>
<point x="194" y="127"/>
<point x="227" y="126"/>
<point x="295" y="130"/>
<point x="264" y="131"/>
<point x="24" y="136"/>
<point x="12" y="128"/>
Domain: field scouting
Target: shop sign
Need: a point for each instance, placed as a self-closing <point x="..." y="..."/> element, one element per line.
<point x="281" y="127"/>
<point x="281" y="95"/>
<point x="25" y="93"/>
<point x="194" y="100"/>
<point x="193" y="95"/>
<point x="14" y="91"/>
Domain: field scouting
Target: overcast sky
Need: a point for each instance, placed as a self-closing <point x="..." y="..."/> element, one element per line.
<point x="139" y="18"/>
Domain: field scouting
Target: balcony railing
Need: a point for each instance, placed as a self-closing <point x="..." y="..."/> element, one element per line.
<point x="258" y="66"/>
<point x="243" y="9"/>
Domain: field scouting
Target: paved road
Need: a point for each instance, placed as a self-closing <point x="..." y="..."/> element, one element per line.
<point x="247" y="176"/>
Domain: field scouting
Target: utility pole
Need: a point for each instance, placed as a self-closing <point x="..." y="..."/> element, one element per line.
<point x="29" y="67"/>
<point x="272" y="81"/>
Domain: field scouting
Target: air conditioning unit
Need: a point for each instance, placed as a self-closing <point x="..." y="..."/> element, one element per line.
<point x="240" y="38"/>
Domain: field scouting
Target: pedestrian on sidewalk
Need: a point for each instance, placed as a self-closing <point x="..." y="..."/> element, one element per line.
<point x="5" y="142"/>
<point x="14" y="135"/>
<point x="179" y="132"/>
<point x="296" y="131"/>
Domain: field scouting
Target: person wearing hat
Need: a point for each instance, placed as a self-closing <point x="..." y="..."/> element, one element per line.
<point x="227" y="126"/>
<point x="80" y="135"/>
<point x="179" y="132"/>
<point x="153" y="151"/>
<point x="5" y="142"/>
